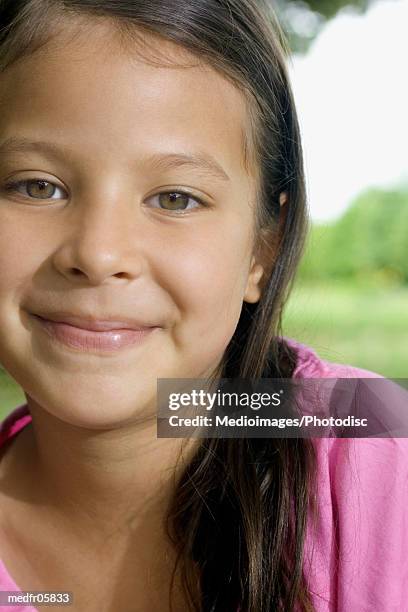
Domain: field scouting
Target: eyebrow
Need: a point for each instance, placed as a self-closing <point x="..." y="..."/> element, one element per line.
<point x="160" y="161"/>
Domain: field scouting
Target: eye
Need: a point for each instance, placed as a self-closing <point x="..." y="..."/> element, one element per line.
<point x="36" y="189"/>
<point x="176" y="201"/>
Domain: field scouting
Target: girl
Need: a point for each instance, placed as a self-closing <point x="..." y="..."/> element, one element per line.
<point x="152" y="215"/>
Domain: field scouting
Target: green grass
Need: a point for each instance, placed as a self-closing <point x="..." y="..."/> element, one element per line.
<point x="11" y="394"/>
<point x="364" y="327"/>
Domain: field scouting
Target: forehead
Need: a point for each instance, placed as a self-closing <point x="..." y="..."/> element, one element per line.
<point x="91" y="86"/>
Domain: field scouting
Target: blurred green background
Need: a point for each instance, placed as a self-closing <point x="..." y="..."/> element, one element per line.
<point x="11" y="394"/>
<point x="350" y="300"/>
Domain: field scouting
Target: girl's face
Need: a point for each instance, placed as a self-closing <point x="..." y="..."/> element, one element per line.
<point x="109" y="133"/>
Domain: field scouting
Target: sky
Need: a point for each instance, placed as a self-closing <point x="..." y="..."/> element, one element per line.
<point x="351" y="91"/>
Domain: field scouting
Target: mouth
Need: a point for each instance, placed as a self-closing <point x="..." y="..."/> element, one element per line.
<point x="93" y="335"/>
<point x="92" y="323"/>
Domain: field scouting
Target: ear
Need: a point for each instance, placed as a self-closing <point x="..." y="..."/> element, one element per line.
<point x="253" y="289"/>
<point x="263" y="260"/>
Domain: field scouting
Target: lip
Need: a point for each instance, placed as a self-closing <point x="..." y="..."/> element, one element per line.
<point x="93" y="335"/>
<point x="93" y="324"/>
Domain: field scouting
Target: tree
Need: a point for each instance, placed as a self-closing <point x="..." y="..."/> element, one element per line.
<point x="369" y="242"/>
<point x="302" y="20"/>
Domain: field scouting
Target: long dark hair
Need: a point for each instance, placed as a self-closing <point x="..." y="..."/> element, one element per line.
<point x="238" y="515"/>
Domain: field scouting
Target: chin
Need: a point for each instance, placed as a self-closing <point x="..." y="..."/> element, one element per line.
<point x="98" y="412"/>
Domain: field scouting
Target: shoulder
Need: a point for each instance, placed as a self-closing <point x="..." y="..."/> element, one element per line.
<point x="379" y="457"/>
<point x="310" y="365"/>
<point x="14" y="422"/>
<point x="357" y="541"/>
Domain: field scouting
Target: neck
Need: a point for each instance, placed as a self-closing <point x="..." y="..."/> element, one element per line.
<point x="102" y="481"/>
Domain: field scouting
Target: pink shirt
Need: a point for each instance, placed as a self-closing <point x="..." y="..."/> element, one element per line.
<point x="356" y="554"/>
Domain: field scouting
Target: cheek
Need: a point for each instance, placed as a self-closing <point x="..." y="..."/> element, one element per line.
<point x="15" y="253"/>
<point x="209" y="275"/>
<point x="22" y="253"/>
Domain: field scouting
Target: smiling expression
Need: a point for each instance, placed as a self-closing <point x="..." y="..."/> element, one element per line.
<point x="123" y="194"/>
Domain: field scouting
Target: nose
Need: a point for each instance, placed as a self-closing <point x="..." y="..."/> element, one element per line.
<point x="101" y="241"/>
